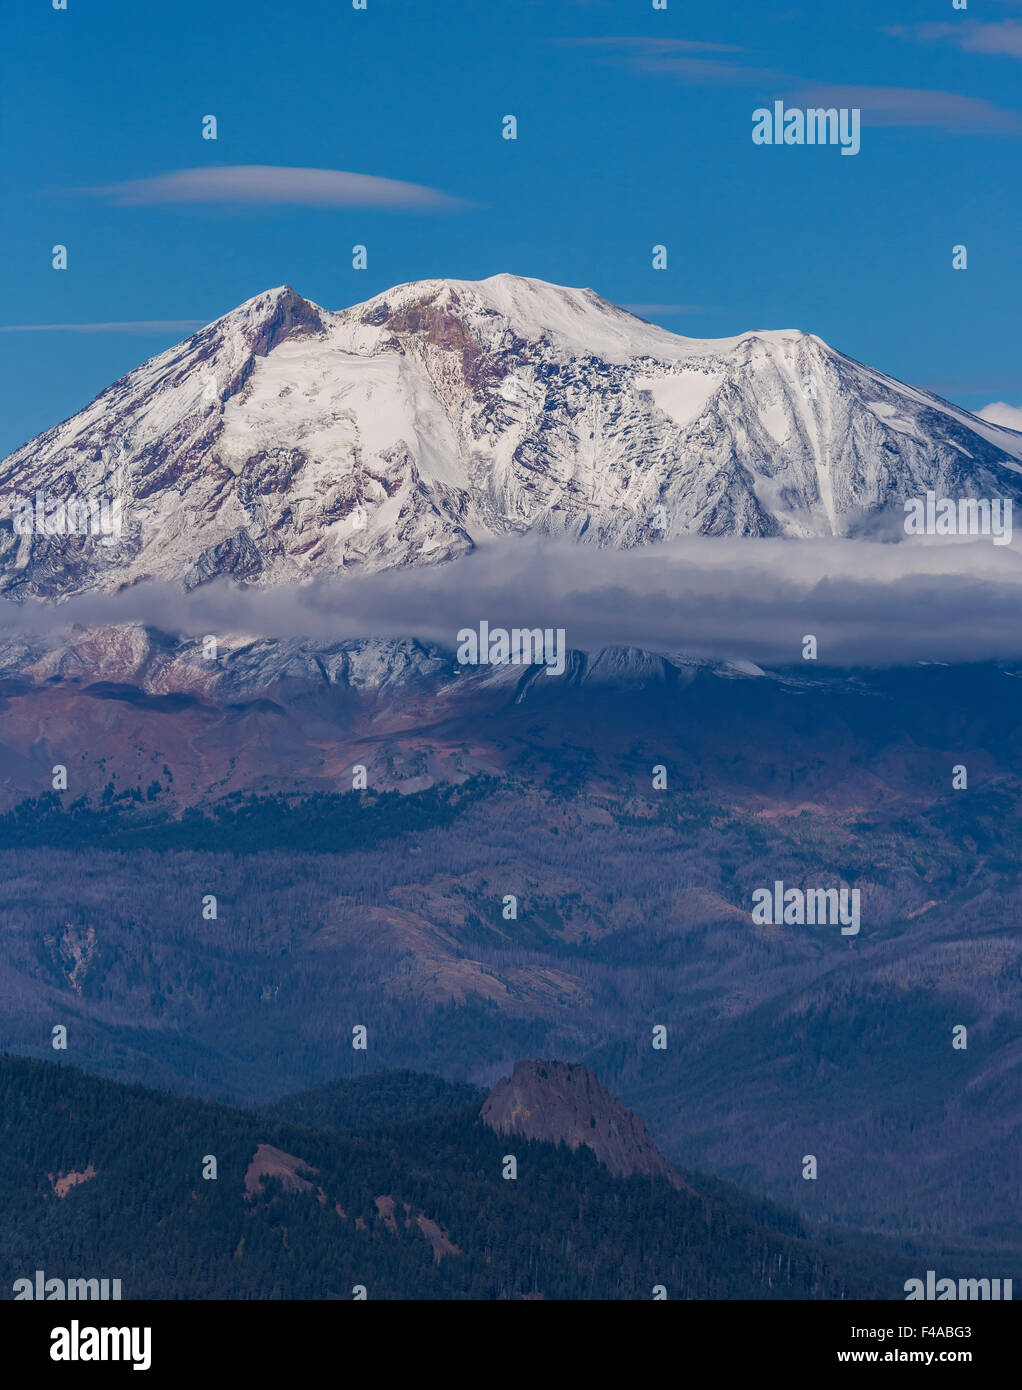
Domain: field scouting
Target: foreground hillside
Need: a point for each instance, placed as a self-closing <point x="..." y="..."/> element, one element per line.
<point x="409" y="1208"/>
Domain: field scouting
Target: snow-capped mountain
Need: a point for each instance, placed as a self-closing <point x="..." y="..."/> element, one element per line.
<point x="285" y="441"/>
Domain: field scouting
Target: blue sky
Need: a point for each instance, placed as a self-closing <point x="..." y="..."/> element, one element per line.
<point x="634" y="129"/>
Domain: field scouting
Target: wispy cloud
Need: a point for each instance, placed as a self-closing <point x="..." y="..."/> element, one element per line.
<point x="705" y="70"/>
<point x="696" y="61"/>
<point x="129" y="326"/>
<point x="683" y="58"/>
<point x="1004" y="36"/>
<point x="270" y="184"/>
<point x="985" y="381"/>
<point x="644" y="309"/>
<point x="911" y="106"/>
<point x="665" y="45"/>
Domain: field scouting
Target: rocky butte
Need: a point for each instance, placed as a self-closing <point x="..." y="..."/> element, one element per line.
<point x="561" y="1102"/>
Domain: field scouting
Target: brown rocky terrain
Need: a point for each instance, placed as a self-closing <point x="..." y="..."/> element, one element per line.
<point x="62" y="1183"/>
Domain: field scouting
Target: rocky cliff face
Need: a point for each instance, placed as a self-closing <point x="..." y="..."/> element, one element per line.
<point x="561" y="1102"/>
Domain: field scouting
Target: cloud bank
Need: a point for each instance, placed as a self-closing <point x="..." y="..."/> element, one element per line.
<point x="868" y="603"/>
<point x="1000" y="413"/>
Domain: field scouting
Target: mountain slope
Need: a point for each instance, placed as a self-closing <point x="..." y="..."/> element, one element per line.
<point x="284" y="441"/>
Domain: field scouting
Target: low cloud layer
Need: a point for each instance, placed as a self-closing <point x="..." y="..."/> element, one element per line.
<point x="867" y="603"/>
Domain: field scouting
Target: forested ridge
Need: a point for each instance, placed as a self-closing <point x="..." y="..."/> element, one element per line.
<point x="378" y="1201"/>
<point x="319" y="823"/>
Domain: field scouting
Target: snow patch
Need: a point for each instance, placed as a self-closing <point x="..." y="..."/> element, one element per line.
<point x="683" y="396"/>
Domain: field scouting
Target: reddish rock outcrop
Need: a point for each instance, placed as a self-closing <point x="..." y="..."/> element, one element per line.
<point x="269" y="1162"/>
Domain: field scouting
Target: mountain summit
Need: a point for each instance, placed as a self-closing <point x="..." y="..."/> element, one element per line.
<point x="285" y="441"/>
